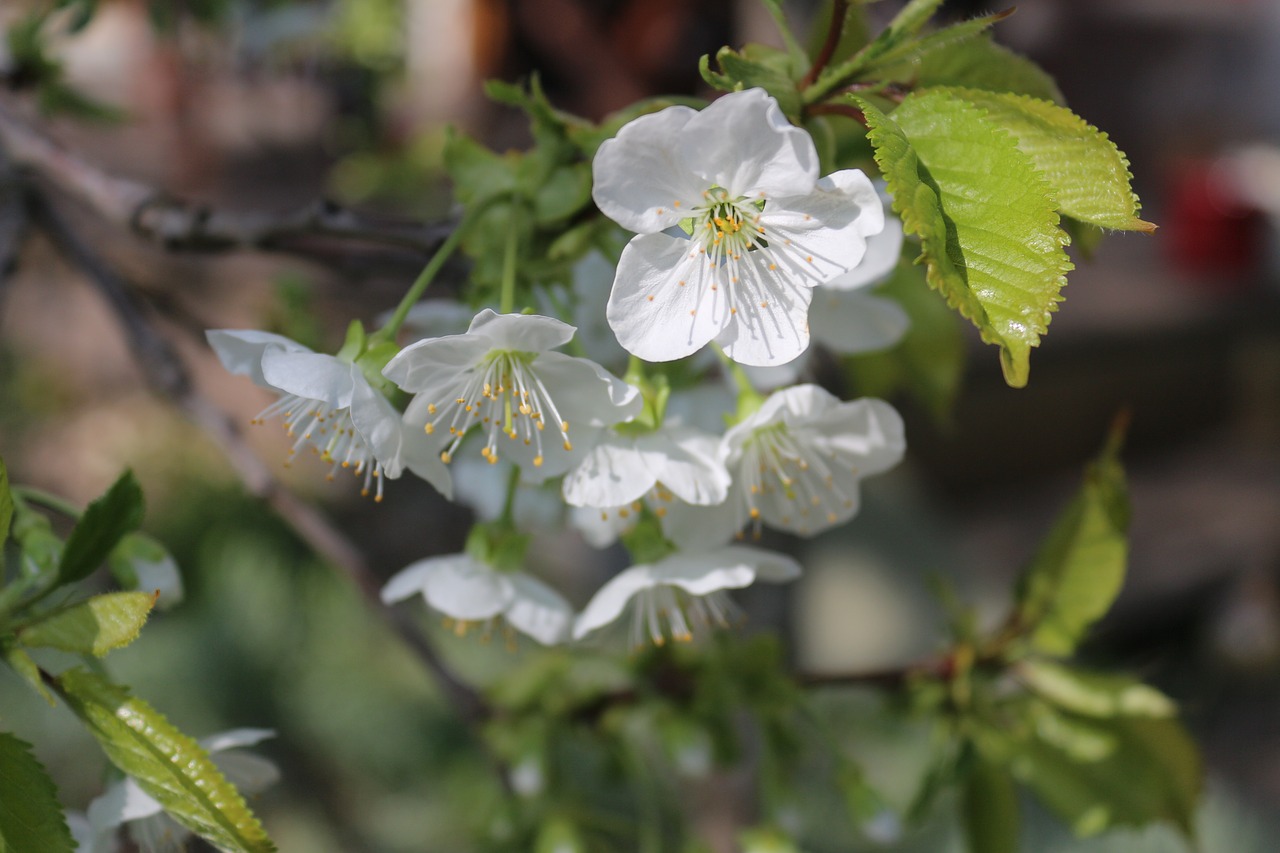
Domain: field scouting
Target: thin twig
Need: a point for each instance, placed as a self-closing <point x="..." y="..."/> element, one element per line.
<point x="839" y="14"/>
<point x="166" y="374"/>
<point x="180" y="225"/>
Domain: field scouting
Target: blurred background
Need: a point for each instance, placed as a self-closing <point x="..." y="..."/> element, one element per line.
<point x="270" y="105"/>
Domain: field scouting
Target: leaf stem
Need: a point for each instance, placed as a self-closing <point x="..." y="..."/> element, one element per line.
<point x="429" y="272"/>
<point x="508" y="516"/>
<point x="48" y="501"/>
<point x="839" y="13"/>
<point x="508" y="298"/>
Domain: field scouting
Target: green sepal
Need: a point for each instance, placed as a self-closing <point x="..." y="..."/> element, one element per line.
<point x="645" y="541"/>
<point x="31" y="819"/>
<point x="104" y="622"/>
<point x="1087" y="174"/>
<point x="169" y="766"/>
<point x="989" y="807"/>
<point x="1093" y="694"/>
<point x="499" y="545"/>
<point x="985" y="217"/>
<point x="100" y="528"/>
<point x="352" y="343"/>
<point x="372" y="361"/>
<point x="22" y="664"/>
<point x="1080" y="568"/>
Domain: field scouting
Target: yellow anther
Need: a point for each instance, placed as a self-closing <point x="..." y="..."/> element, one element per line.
<point x="431" y="408"/>
<point x="537" y="462"/>
<point x="755" y="513"/>
<point x="430" y="428"/>
<point x="567" y="445"/>
<point x="564" y="426"/>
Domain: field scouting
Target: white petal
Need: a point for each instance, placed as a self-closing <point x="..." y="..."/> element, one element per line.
<point x="465" y="589"/>
<point x="600" y="527"/>
<point x="411" y="580"/>
<point x="123" y="801"/>
<point x="431" y="367"/>
<point x="240" y="350"/>
<point x="778" y="375"/>
<point x="611" y="599"/>
<point x="819" y="236"/>
<point x="867" y="433"/>
<point x="686" y="462"/>
<point x="770" y="566"/>
<point x="311" y="375"/>
<point x="538" y="610"/>
<point x="434" y="318"/>
<point x="698" y="528"/>
<point x="703" y="406"/>
<point x="250" y="774"/>
<point x="584" y="392"/>
<point x="592" y="280"/>
<point x="638" y="177"/>
<point x="236" y="739"/>
<point x="523" y="332"/>
<point x="855" y="321"/>
<point x="615" y="472"/>
<point x="883" y="251"/>
<point x="707" y="572"/>
<point x="679" y="319"/>
<point x="744" y="143"/>
<point x="160" y="576"/>
<point x="772" y="323"/>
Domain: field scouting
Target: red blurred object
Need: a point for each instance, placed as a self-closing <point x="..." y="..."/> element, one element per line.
<point x="1210" y="231"/>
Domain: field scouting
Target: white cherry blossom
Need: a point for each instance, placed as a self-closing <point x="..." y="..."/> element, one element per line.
<point x="126" y="804"/>
<point x="682" y="593"/>
<point x="796" y="465"/>
<point x="327" y="404"/>
<point x="733" y="228"/>
<point x="504" y="377"/>
<point x="470" y="593"/>
<point x="622" y="467"/>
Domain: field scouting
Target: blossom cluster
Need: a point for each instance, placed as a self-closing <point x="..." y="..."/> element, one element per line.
<point x="738" y="245"/>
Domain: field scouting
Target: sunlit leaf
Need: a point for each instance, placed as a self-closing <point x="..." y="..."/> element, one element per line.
<point x="96" y="626"/>
<point x="981" y="63"/>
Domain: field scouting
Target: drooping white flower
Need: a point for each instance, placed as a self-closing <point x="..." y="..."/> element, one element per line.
<point x="503" y="376"/>
<point x="327" y="404"/>
<point x="469" y="591"/>
<point x="796" y="465"/>
<point x="622" y="467"/>
<point x="126" y="804"/>
<point x="682" y="593"/>
<point x="733" y="229"/>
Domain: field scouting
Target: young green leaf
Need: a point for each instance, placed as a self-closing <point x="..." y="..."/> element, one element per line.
<point x="26" y="667"/>
<point x="980" y="63"/>
<point x="31" y="819"/>
<point x="1150" y="772"/>
<point x="6" y="504"/>
<point x="1093" y="694"/>
<point x="1088" y="175"/>
<point x="477" y="173"/>
<point x="948" y="37"/>
<point x="989" y="233"/>
<point x="906" y="24"/>
<point x="990" y="809"/>
<point x="96" y="626"/>
<point x="752" y="69"/>
<point x="171" y="767"/>
<point x="1080" y="567"/>
<point x="104" y="522"/>
<point x="928" y="363"/>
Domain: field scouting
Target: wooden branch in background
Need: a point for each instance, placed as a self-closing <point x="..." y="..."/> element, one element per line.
<point x="175" y="224"/>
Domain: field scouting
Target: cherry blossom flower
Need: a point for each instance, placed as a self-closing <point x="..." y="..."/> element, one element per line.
<point x="471" y="593"/>
<point x="503" y="376"/>
<point x="327" y="404"/>
<point x="126" y="804"/>
<point x="680" y="594"/>
<point x="622" y="467"/>
<point x="796" y="464"/>
<point x="733" y="229"/>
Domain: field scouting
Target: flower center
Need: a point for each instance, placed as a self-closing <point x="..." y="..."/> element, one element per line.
<point x="504" y="395"/>
<point x="663" y="612"/>
<point x="330" y="434"/>
<point x="780" y="467"/>
<point x="727" y="227"/>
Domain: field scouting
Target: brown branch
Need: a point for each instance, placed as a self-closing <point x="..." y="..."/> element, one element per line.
<point x="166" y="374"/>
<point x="839" y="14"/>
<point x="180" y="225"/>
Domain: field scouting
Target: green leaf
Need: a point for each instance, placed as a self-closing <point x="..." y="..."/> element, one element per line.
<point x="6" y="506"/>
<point x="928" y="363"/>
<point x="989" y="233"/>
<point x="990" y="809"/>
<point x="1088" y="175"/>
<point x="171" y="767"/>
<point x="1151" y="772"/>
<point x="96" y="626"/>
<point x="757" y="68"/>
<point x="477" y="173"/>
<point x="104" y="522"/>
<point x="943" y="39"/>
<point x="1094" y="694"/>
<point x="980" y="63"/>
<point x="566" y="191"/>
<point x="26" y="667"/>
<point x="1080" y="567"/>
<point x="31" y="819"/>
<point x="907" y="23"/>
